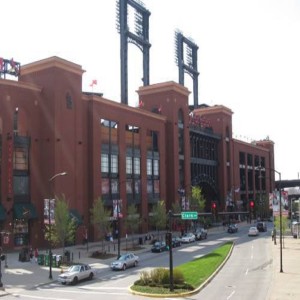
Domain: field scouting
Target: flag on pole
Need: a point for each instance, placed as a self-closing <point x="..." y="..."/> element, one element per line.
<point x="141" y="104"/>
<point x="94" y="82"/>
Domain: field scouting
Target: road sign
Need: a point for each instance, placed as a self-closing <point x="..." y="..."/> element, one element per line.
<point x="189" y="215"/>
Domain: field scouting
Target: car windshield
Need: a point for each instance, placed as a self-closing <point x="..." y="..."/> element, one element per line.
<point x="122" y="257"/>
<point x="74" y="268"/>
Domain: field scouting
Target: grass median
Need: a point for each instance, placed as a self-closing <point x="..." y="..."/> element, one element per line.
<point x="195" y="273"/>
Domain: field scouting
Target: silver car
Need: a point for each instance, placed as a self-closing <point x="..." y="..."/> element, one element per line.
<point x="76" y="273"/>
<point x="188" y="238"/>
<point x="125" y="261"/>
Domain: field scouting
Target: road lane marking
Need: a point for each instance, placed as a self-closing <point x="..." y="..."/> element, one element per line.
<point x="232" y="293"/>
<point x="39" y="297"/>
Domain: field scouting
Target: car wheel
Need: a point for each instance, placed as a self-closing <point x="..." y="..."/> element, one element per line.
<point x="91" y="276"/>
<point x="124" y="267"/>
<point x="63" y="283"/>
<point x="75" y="280"/>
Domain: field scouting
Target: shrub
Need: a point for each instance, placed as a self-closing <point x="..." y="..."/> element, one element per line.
<point x="145" y="278"/>
<point x="158" y="274"/>
<point x="178" y="277"/>
<point x="160" y="277"/>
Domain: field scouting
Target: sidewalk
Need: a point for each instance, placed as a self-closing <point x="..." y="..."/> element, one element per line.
<point x="285" y="285"/>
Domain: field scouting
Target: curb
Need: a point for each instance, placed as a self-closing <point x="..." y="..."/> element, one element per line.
<point x="195" y="291"/>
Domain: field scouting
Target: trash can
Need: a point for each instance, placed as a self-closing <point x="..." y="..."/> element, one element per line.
<point x="54" y="260"/>
<point x="295" y="235"/>
<point x="46" y="259"/>
<point x="41" y="259"/>
<point x="24" y="255"/>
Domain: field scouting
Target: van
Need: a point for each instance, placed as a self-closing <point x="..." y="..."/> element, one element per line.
<point x="261" y="226"/>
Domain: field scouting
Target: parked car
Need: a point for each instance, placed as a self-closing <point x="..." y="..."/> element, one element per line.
<point x="261" y="226"/>
<point x="176" y="242"/>
<point x="232" y="228"/>
<point x="76" y="273"/>
<point x="201" y="234"/>
<point x="125" y="261"/>
<point x="188" y="238"/>
<point x="253" y="231"/>
<point x="159" y="246"/>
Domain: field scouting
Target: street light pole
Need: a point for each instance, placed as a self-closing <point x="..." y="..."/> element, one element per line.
<point x="119" y="238"/>
<point x="49" y="223"/>
<point x="280" y="220"/>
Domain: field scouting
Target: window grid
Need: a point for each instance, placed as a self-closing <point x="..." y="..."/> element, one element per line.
<point x="20" y="159"/>
<point x="149" y="167"/>
<point x="104" y="163"/>
<point x="137" y="166"/>
<point x="128" y="165"/>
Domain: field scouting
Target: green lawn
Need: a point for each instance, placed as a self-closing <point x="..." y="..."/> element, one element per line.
<point x="195" y="272"/>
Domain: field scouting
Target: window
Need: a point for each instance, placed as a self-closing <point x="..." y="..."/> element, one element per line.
<point x="114" y="163"/>
<point x="21" y="158"/>
<point x="128" y="165"/>
<point x="21" y="185"/>
<point x="137" y="166"/>
<point x="104" y="163"/>
<point x="114" y="168"/>
<point x="149" y="166"/>
<point x="156" y="167"/>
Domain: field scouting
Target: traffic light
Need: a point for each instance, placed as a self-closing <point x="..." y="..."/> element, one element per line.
<point x="214" y="208"/>
<point x="169" y="239"/>
<point x="251" y="205"/>
<point x="2" y="257"/>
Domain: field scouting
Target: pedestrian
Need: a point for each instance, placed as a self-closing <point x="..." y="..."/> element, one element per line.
<point x="36" y="254"/>
<point x="30" y="254"/>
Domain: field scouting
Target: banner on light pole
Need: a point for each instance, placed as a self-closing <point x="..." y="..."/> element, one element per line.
<point x="49" y="208"/>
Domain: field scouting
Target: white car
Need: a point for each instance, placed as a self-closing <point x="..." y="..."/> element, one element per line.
<point x="201" y="234"/>
<point x="125" y="261"/>
<point x="188" y="238"/>
<point x="253" y="231"/>
<point x="76" y="273"/>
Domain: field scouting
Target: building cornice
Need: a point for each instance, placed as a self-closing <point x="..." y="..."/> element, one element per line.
<point x="20" y="84"/>
<point x="163" y="87"/>
<point x="52" y="62"/>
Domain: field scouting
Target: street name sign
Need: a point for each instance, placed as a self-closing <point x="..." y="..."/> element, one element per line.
<point x="189" y="215"/>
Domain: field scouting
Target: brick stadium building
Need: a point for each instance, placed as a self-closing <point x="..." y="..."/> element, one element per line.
<point x="156" y="151"/>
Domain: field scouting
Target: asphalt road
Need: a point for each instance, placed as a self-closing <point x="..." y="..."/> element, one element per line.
<point x="246" y="275"/>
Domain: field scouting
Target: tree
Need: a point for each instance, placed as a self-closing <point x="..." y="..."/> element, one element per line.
<point x="176" y="209"/>
<point x="100" y="216"/>
<point x="159" y="216"/>
<point x="197" y="199"/>
<point x="64" y="229"/>
<point x="284" y="225"/>
<point x="133" y="220"/>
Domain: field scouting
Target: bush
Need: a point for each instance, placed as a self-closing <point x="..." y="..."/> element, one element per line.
<point x="145" y="278"/>
<point x="157" y="275"/>
<point x="178" y="276"/>
<point x="160" y="277"/>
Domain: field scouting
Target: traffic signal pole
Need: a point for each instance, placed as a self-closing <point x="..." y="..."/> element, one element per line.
<point x="169" y="240"/>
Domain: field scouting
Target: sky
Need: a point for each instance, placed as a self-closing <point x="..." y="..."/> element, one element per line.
<point x="248" y="56"/>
